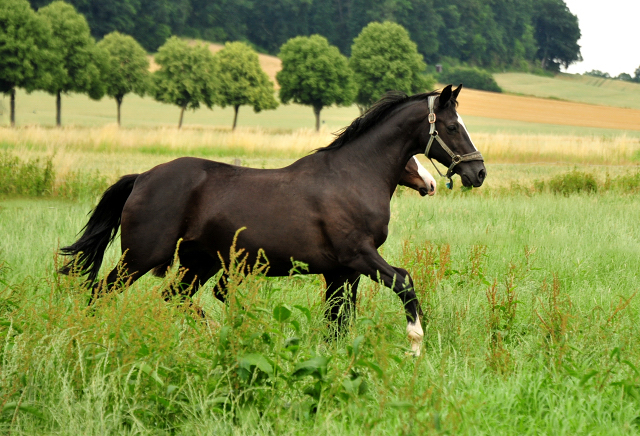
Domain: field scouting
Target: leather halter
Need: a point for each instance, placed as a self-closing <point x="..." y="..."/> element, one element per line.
<point x="455" y="158"/>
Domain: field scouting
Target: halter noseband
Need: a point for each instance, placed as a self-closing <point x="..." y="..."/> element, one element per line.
<point x="455" y="158"/>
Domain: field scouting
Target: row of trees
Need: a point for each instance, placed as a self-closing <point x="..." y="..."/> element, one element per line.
<point x="626" y="77"/>
<point x="487" y="33"/>
<point x="52" y="50"/>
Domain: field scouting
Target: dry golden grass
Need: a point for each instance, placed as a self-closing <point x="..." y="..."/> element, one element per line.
<point x="114" y="151"/>
<point x="539" y="110"/>
<point x="211" y="140"/>
<point x="513" y="148"/>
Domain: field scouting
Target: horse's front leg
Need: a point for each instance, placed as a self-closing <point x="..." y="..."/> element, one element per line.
<point x="414" y="328"/>
<point x="371" y="264"/>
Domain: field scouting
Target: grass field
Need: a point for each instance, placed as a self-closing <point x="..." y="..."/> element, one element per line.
<point x="573" y="87"/>
<point x="532" y="329"/>
<point x="529" y="286"/>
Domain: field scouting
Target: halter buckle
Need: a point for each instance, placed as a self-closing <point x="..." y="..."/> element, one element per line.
<point x="456" y="159"/>
<point x="432" y="118"/>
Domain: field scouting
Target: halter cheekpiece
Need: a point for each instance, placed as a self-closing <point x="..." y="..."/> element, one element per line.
<point x="455" y="158"/>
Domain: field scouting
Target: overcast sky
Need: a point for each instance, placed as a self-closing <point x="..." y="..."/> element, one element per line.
<point x="610" y="40"/>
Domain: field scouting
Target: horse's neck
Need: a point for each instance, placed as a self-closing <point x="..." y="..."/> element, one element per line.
<point x="380" y="155"/>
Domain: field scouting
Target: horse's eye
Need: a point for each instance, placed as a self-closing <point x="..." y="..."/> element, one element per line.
<point x="452" y="128"/>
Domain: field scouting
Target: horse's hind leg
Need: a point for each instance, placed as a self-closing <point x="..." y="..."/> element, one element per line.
<point x="197" y="268"/>
<point x="340" y="304"/>
<point x="141" y="253"/>
<point x="124" y="274"/>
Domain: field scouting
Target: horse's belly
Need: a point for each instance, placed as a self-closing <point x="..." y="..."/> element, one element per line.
<point x="283" y="239"/>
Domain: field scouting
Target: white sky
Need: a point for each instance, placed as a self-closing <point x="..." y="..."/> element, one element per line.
<point x="609" y="41"/>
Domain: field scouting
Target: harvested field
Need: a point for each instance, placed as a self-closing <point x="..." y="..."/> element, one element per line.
<point x="539" y="110"/>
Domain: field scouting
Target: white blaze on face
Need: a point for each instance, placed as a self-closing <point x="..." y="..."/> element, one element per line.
<point x="467" y="132"/>
<point x="415" y="334"/>
<point x="426" y="176"/>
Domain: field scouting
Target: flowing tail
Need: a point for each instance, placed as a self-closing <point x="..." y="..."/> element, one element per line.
<point x="100" y="230"/>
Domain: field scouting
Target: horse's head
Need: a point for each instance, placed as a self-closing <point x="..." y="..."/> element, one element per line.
<point x="415" y="176"/>
<point x="449" y="142"/>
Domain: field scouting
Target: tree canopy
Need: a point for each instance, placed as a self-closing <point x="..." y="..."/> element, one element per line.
<point x="315" y="74"/>
<point x="496" y="33"/>
<point x="186" y="77"/>
<point x="383" y="58"/>
<point x="557" y="33"/>
<point x="23" y="54"/>
<point x="241" y="80"/>
<point x="77" y="63"/>
<point x="127" y="67"/>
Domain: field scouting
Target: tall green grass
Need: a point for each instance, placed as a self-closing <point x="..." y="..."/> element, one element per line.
<point x="37" y="178"/>
<point x="530" y="328"/>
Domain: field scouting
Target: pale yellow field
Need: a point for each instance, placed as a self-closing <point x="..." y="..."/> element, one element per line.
<point x="114" y="152"/>
<point x="539" y="110"/>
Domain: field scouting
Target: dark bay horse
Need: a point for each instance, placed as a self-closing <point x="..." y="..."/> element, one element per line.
<point x="330" y="209"/>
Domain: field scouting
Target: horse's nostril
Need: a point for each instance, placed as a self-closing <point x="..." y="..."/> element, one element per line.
<point x="482" y="174"/>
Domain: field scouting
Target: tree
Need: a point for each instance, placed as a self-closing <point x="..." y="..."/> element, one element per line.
<point x="636" y="75"/>
<point x="557" y="33"/>
<point x="78" y="64"/>
<point x="127" y="67"/>
<point x="625" y="77"/>
<point x="314" y="74"/>
<point x="186" y="76"/>
<point x="241" y="80"/>
<point x="150" y="22"/>
<point x="23" y="53"/>
<point x="597" y="73"/>
<point x="383" y="58"/>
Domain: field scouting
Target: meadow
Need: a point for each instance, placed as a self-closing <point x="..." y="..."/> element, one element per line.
<point x="573" y="87"/>
<point x="529" y="286"/>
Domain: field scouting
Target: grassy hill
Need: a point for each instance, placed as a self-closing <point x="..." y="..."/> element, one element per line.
<point x="573" y="87"/>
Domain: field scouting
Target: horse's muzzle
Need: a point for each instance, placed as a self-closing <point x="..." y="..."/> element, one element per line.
<point x="473" y="174"/>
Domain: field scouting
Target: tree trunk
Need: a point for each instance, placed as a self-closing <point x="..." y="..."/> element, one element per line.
<point x="181" y="116"/>
<point x="12" y="108"/>
<point x="118" y="102"/>
<point x="543" y="64"/>
<point x="235" y="116"/>
<point x="58" y="109"/>
<point x="316" y="111"/>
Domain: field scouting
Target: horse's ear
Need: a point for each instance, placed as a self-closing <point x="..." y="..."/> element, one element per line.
<point x="456" y="92"/>
<point x="445" y="96"/>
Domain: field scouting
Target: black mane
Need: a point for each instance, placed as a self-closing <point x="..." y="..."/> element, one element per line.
<point x="377" y="112"/>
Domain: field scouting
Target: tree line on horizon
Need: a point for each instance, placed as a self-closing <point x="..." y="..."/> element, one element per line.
<point x="52" y="50"/>
<point x="483" y="33"/>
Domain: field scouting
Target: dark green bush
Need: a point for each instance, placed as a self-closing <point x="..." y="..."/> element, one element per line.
<point x="628" y="182"/>
<point x="471" y="78"/>
<point x="573" y="182"/>
<point x="33" y="178"/>
<point x="78" y="184"/>
<point x="36" y="178"/>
